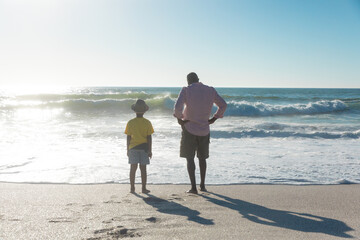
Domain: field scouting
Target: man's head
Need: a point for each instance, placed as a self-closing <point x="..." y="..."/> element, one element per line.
<point x="192" y="78"/>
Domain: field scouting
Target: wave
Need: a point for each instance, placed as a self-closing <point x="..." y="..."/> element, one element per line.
<point x="344" y="181"/>
<point x="286" y="98"/>
<point x="164" y="102"/>
<point x="93" y="96"/>
<point x="351" y="100"/>
<point x="94" y="103"/>
<point x="112" y="105"/>
<point x="284" y="134"/>
<point x="245" y="108"/>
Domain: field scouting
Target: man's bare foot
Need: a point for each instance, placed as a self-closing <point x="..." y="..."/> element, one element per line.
<point x="194" y="191"/>
<point x="132" y="190"/>
<point x="145" y="190"/>
<point x="203" y="189"/>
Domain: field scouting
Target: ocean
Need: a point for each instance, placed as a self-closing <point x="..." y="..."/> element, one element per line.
<point x="267" y="136"/>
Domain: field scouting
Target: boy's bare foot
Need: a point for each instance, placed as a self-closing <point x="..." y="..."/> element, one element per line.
<point x="145" y="191"/>
<point x="203" y="189"/>
<point x="132" y="190"/>
<point x="193" y="191"/>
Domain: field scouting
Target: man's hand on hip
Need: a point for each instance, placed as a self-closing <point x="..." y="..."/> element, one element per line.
<point x="212" y="120"/>
<point x="182" y="122"/>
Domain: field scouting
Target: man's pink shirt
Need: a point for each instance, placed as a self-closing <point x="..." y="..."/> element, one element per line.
<point x="195" y="103"/>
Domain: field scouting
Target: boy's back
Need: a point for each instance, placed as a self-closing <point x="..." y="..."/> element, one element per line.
<point x="138" y="128"/>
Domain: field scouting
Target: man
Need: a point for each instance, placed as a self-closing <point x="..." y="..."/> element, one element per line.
<point x="193" y="110"/>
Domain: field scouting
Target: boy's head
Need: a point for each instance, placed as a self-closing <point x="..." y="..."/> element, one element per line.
<point x="140" y="107"/>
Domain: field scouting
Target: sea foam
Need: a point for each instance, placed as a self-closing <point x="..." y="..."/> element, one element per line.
<point x="245" y="108"/>
<point x="270" y="136"/>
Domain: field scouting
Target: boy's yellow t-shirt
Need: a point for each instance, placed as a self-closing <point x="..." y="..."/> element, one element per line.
<point x="138" y="129"/>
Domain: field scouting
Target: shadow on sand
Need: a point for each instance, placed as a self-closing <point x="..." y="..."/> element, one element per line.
<point x="284" y="219"/>
<point x="170" y="207"/>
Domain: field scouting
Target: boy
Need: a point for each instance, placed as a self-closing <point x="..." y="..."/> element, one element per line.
<point x="139" y="143"/>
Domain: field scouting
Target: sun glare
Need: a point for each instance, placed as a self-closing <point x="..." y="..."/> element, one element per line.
<point x="33" y="90"/>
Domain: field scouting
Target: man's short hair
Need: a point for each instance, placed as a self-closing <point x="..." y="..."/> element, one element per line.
<point x="192" y="77"/>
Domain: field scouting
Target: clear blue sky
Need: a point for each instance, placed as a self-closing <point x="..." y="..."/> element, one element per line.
<point x="229" y="43"/>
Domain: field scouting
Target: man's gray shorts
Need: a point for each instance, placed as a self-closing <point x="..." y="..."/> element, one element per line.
<point x="191" y="143"/>
<point x="138" y="156"/>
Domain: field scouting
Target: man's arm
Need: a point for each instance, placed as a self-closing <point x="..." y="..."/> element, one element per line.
<point x="179" y="105"/>
<point x="179" y="108"/>
<point x="149" y="142"/>
<point x="221" y="104"/>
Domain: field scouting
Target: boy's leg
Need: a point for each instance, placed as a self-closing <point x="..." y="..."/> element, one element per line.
<point x="191" y="171"/>
<point x="143" y="178"/>
<point x="133" y="168"/>
<point x="202" y="165"/>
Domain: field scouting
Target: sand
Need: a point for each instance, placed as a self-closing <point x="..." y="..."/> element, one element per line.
<point x="109" y="211"/>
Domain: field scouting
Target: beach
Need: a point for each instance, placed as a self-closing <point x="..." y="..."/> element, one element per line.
<point x="284" y="164"/>
<point x="109" y="211"/>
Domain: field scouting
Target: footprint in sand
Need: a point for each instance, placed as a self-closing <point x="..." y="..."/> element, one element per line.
<point x="112" y="201"/>
<point x="87" y="207"/>
<point x="114" y="219"/>
<point x="152" y="219"/>
<point x="60" y="220"/>
<point x="192" y="195"/>
<point x="115" y="233"/>
<point x="176" y="197"/>
<point x="122" y="233"/>
<point x="14" y="220"/>
<point x="205" y="193"/>
<point x="103" y="230"/>
<point x="71" y="210"/>
<point x="71" y="204"/>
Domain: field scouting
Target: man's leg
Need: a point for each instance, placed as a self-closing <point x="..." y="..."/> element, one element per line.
<point x="133" y="168"/>
<point x="202" y="164"/>
<point x="143" y="178"/>
<point x="203" y="154"/>
<point x="191" y="171"/>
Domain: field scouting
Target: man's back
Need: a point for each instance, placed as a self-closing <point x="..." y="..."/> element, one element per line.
<point x="198" y="100"/>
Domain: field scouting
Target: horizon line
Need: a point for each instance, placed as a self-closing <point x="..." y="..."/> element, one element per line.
<point x="157" y="86"/>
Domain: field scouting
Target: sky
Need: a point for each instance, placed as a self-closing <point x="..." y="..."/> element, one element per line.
<point x="228" y="43"/>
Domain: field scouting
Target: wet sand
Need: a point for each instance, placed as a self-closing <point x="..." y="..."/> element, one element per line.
<point x="109" y="211"/>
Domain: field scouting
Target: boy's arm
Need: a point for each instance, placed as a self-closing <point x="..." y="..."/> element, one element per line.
<point x="149" y="141"/>
<point x="128" y="144"/>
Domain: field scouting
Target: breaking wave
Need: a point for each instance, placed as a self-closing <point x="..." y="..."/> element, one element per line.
<point x="244" y="108"/>
<point x="258" y="133"/>
<point x="164" y="102"/>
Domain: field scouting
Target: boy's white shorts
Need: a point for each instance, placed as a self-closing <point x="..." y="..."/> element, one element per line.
<point x="138" y="156"/>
